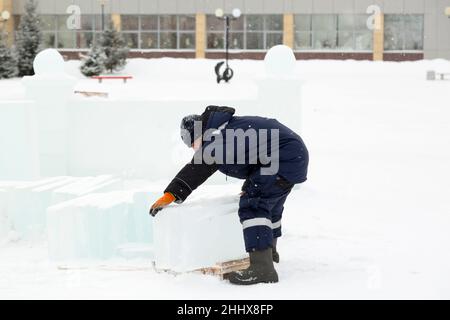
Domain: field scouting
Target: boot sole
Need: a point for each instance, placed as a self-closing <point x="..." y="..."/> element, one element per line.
<point x="248" y="283"/>
<point x="251" y="283"/>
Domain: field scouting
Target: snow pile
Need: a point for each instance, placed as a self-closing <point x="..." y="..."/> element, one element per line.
<point x="201" y="232"/>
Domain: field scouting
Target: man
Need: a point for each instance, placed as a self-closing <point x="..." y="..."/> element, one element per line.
<point x="268" y="155"/>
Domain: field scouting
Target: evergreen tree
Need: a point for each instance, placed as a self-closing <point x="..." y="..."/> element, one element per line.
<point x="94" y="63"/>
<point x="29" y="38"/>
<point x="8" y="61"/>
<point x="115" y="49"/>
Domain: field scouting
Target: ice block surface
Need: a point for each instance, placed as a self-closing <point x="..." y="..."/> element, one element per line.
<point x="101" y="226"/>
<point x="201" y="232"/>
<point x="26" y="206"/>
<point x="3" y="214"/>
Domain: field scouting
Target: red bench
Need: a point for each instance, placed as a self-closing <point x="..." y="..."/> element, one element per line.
<point x="124" y="78"/>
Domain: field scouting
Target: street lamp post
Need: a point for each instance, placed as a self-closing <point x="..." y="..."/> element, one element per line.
<point x="228" y="72"/>
<point x="102" y="4"/>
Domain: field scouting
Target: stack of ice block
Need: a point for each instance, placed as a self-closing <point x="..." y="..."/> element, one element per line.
<point x="25" y="210"/>
<point x="86" y="185"/>
<point x="28" y="201"/>
<point x="201" y="232"/>
<point x="101" y="226"/>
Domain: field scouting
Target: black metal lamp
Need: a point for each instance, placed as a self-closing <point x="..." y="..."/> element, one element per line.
<point x="227" y="74"/>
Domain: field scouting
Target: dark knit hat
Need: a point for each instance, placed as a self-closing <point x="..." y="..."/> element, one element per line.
<point x="188" y="134"/>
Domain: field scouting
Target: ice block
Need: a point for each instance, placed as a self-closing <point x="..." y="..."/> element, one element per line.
<point x="101" y="226"/>
<point x="201" y="232"/>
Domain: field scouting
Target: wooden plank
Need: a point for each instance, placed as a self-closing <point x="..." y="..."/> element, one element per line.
<point x="221" y="269"/>
<point x="224" y="268"/>
<point x="92" y="94"/>
<point x="112" y="77"/>
<point x="105" y="268"/>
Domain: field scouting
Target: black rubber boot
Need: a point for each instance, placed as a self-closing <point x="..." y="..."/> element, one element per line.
<point x="275" y="255"/>
<point x="261" y="270"/>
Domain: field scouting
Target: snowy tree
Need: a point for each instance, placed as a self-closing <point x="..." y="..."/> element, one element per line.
<point x="115" y="49"/>
<point x="29" y="38"/>
<point x="94" y="63"/>
<point x="8" y="65"/>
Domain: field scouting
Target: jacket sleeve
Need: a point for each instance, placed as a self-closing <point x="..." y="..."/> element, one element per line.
<point x="189" y="178"/>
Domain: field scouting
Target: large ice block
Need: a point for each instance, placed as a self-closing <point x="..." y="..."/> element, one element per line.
<point x="5" y="217"/>
<point x="101" y="226"/>
<point x="4" y="223"/>
<point x="201" y="232"/>
<point x="27" y="202"/>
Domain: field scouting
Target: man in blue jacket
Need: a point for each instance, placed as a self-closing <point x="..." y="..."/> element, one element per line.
<point x="268" y="155"/>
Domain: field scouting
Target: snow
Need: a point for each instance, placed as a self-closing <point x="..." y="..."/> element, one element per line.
<point x="280" y="61"/>
<point x="48" y="61"/>
<point x="372" y="220"/>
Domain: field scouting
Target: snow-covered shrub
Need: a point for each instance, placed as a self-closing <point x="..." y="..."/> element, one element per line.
<point x="115" y="49"/>
<point x="94" y="63"/>
<point x="29" y="39"/>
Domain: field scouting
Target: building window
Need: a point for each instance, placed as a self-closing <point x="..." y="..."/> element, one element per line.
<point x="353" y="33"/>
<point x="332" y="32"/>
<point x="186" y="30"/>
<point x="251" y="32"/>
<point x="139" y="31"/>
<point x="303" y="34"/>
<point x="129" y="22"/>
<point x="324" y="31"/>
<point x="237" y="31"/>
<point x="130" y="30"/>
<point x="263" y="31"/>
<point x="98" y="21"/>
<point x="149" y="32"/>
<point x="403" y="32"/>
<point x="215" y="32"/>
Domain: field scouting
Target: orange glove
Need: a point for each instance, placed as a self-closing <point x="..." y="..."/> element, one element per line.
<point x="162" y="202"/>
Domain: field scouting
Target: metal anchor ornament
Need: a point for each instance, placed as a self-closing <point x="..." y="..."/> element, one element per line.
<point x="227" y="73"/>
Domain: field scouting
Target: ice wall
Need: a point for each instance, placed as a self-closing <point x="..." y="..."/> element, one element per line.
<point x="101" y="226"/>
<point x="57" y="133"/>
<point x="201" y="232"/>
<point x="5" y="224"/>
<point x="279" y="91"/>
<point x="26" y="202"/>
<point x="18" y="141"/>
<point x="50" y="89"/>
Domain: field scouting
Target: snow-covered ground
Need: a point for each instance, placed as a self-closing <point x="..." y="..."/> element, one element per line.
<point x="372" y="221"/>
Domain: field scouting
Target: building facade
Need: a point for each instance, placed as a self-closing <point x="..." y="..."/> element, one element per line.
<point x="315" y="29"/>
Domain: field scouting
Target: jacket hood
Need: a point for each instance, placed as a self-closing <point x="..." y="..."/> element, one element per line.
<point x="215" y="116"/>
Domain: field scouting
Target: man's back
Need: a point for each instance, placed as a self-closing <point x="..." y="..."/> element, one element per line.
<point x="290" y="152"/>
